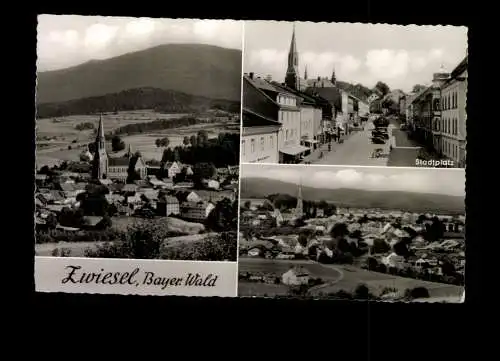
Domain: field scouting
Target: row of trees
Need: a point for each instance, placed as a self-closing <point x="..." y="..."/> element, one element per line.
<point x="167" y="101"/>
<point x="221" y="151"/>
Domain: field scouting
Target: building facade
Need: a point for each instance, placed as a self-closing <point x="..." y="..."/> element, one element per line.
<point x="116" y="168"/>
<point x="259" y="139"/>
<point x="454" y="114"/>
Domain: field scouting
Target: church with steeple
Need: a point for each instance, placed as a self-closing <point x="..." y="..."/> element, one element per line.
<point x="115" y="168"/>
<point x="295" y="81"/>
<point x="292" y="77"/>
<point x="299" y="208"/>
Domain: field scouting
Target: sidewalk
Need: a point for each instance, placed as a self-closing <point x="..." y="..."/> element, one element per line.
<point x="315" y="154"/>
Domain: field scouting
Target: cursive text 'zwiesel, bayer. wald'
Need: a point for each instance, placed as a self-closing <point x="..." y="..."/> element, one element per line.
<point x="137" y="277"/>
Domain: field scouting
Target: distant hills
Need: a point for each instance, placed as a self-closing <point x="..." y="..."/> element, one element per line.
<point x="168" y="101"/>
<point x="358" y="90"/>
<point x="343" y="197"/>
<point x="202" y="70"/>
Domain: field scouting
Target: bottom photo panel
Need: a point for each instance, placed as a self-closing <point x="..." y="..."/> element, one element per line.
<point x="352" y="233"/>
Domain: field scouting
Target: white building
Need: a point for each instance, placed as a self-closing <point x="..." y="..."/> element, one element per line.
<point x="454" y="115"/>
<point x="295" y="277"/>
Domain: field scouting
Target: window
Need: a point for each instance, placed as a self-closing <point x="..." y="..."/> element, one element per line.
<point x="286" y="135"/>
<point x="262" y="143"/>
<point x="243" y="147"/>
<point x="252" y="146"/>
<point x="271" y="141"/>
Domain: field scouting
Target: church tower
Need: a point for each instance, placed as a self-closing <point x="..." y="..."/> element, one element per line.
<point x="100" y="166"/>
<point x="305" y="73"/>
<point x="292" y="78"/>
<point x="299" y="209"/>
<point x="334" y="78"/>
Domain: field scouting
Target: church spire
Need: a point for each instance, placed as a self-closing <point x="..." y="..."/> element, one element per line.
<point x="334" y="78"/>
<point x="292" y="71"/>
<point x="299" y="209"/>
<point x="100" y="166"/>
<point x="305" y="73"/>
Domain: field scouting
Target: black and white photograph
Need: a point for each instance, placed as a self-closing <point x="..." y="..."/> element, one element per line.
<point x="354" y="94"/>
<point x="352" y="233"/>
<point x="137" y="138"/>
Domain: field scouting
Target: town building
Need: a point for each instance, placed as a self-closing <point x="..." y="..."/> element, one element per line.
<point x="427" y="113"/>
<point x="259" y="139"/>
<point x="167" y="206"/>
<point x="114" y="168"/>
<point x="295" y="277"/>
<point x="196" y="211"/>
<point x="310" y="117"/>
<point x="172" y="169"/>
<point x="454" y="114"/>
<point x="409" y="111"/>
<point x="283" y="107"/>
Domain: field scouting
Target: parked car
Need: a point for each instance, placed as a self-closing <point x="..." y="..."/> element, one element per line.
<point x="378" y="140"/>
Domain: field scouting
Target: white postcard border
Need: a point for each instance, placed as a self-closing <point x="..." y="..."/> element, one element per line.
<point x="136" y="277"/>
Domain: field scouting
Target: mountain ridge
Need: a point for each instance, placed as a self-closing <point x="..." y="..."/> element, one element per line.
<point x="356" y="198"/>
<point x="160" y="100"/>
<point x="196" y="69"/>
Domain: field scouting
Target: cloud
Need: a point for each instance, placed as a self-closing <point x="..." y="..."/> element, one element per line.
<point x="376" y="179"/>
<point x="70" y="40"/>
<point x="318" y="64"/>
<point x="387" y="64"/>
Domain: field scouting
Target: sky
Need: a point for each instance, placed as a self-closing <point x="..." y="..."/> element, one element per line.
<point x="69" y="40"/>
<point x="400" y="56"/>
<point x="420" y="180"/>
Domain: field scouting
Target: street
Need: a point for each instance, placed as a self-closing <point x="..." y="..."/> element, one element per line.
<point x="356" y="150"/>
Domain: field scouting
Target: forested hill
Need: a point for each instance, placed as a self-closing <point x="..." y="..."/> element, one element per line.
<point x="167" y="101"/>
<point x="202" y="70"/>
<point x="358" y="90"/>
<point x="356" y="198"/>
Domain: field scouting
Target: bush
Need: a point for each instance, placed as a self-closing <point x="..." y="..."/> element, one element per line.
<point x="417" y="292"/>
<point x="362" y="292"/>
<point x="222" y="247"/>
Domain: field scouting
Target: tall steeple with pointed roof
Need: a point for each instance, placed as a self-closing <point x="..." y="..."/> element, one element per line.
<point x="299" y="209"/>
<point x="334" y="78"/>
<point x="292" y="78"/>
<point x="305" y="73"/>
<point x="100" y="165"/>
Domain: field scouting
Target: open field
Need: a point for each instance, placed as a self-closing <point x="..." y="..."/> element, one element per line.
<point x="145" y="143"/>
<point x="338" y="277"/>
<point x="54" y="135"/>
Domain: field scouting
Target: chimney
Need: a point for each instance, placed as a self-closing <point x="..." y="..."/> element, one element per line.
<point x="251" y="75"/>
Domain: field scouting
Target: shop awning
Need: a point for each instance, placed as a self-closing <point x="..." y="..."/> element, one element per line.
<point x="294" y="149"/>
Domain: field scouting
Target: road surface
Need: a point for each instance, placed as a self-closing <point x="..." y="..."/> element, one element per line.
<point x="356" y="150"/>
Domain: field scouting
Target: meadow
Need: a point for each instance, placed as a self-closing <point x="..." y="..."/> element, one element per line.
<point x="337" y="277"/>
<point x="58" y="140"/>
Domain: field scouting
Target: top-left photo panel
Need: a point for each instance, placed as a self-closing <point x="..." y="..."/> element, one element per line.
<point x="137" y="137"/>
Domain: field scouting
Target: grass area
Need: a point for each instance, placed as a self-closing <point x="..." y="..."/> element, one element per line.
<point x="63" y="133"/>
<point x="342" y="277"/>
<point x="278" y="267"/>
<point x="376" y="282"/>
<point x="248" y="289"/>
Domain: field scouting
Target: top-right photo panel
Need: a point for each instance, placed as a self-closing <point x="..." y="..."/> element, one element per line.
<point x="354" y="94"/>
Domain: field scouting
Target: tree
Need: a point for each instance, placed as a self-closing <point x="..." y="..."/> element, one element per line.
<point x="372" y="264"/>
<point x="117" y="144"/>
<point x="247" y="204"/>
<point x="303" y="238"/>
<point x="162" y="142"/>
<point x="193" y="140"/>
<point x="362" y="292"/>
<point x="51" y="221"/>
<point x="339" y="230"/>
<point x="417" y="88"/>
<point x="222" y="217"/>
<point x="202" y="137"/>
<point x="383" y="87"/>
<point x="186" y="141"/>
<point x="380" y="246"/>
<point x="203" y="171"/>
